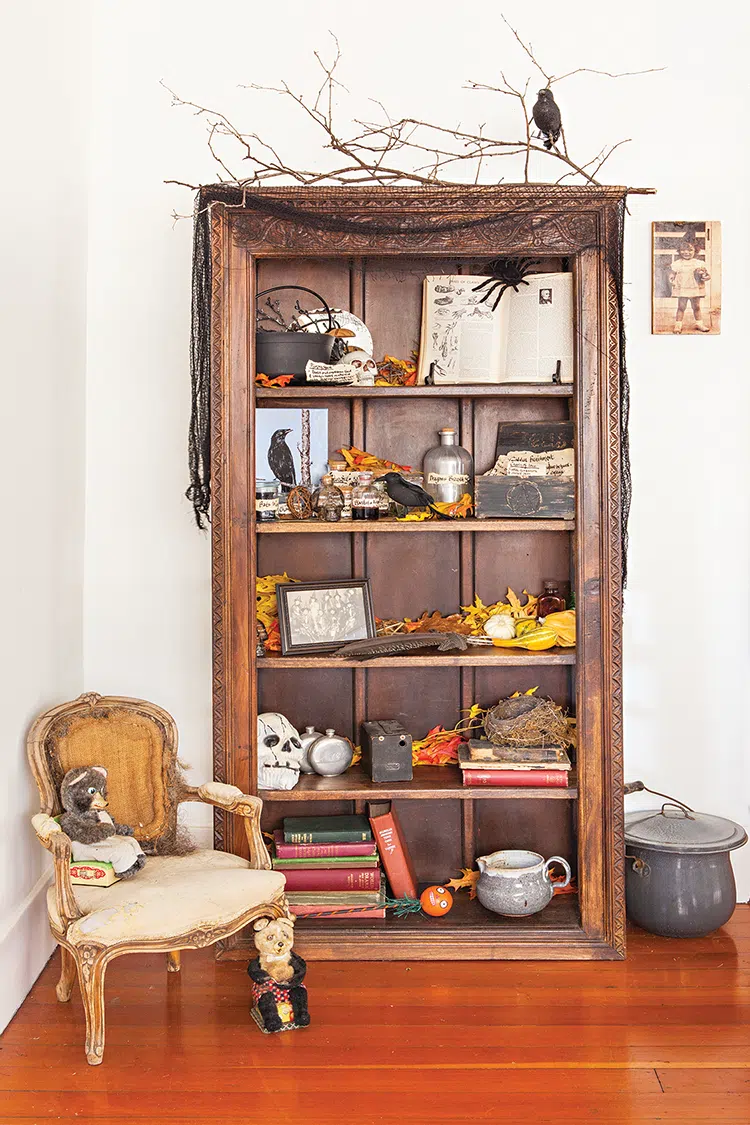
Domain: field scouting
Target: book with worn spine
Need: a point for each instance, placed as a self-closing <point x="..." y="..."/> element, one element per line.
<point x="542" y="779"/>
<point x="326" y="829"/>
<point x="360" y="849"/>
<point x="332" y="879"/>
<point x="487" y="756"/>
<point x="393" y="849"/>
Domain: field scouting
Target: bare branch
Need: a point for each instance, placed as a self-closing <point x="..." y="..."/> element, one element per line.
<point x="394" y="151"/>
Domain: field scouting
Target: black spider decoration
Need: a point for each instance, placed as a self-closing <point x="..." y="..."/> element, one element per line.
<point x="506" y="273"/>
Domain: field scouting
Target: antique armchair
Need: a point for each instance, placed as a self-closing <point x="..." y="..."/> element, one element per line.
<point x="177" y="901"/>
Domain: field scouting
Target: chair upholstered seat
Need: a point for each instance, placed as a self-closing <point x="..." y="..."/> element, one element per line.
<point x="171" y="897"/>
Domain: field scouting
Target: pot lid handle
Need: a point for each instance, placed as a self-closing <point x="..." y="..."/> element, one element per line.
<point x="639" y="787"/>
<point x="681" y="809"/>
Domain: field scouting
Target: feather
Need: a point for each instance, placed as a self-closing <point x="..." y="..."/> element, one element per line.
<point x="401" y="645"/>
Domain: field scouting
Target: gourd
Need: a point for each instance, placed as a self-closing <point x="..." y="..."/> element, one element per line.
<point x="500" y="626"/>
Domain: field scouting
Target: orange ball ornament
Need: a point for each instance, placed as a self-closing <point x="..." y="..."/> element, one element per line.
<point x="436" y="901"/>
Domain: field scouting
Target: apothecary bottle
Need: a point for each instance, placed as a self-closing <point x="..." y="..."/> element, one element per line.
<point x="329" y="500"/>
<point x="365" y="499"/>
<point x="551" y="600"/>
<point x="266" y="500"/>
<point x="448" y="469"/>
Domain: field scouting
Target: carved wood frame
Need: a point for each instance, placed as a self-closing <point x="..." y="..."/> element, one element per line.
<point x="580" y="222"/>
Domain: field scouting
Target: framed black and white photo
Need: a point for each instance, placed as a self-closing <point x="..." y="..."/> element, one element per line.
<point x="320" y="616"/>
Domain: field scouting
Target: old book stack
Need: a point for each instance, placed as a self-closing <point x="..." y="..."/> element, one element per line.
<point x="332" y="867"/>
<point x="485" y="763"/>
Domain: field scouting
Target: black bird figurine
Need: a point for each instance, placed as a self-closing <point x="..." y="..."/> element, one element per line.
<point x="410" y="495"/>
<point x="546" y="114"/>
<point x="280" y="460"/>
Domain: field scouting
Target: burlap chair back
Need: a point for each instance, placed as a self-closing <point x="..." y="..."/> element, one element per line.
<point x="134" y="740"/>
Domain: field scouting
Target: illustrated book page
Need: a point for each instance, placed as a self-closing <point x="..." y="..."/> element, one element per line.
<point x="522" y="341"/>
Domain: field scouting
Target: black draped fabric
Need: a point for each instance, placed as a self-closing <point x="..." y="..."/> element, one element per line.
<point x="199" y="443"/>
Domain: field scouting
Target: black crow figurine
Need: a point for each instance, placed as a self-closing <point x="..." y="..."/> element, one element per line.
<point x="280" y="460"/>
<point x="410" y="495"/>
<point x="546" y="114"/>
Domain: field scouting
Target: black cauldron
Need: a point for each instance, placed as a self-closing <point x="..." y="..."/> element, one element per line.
<point x="287" y="353"/>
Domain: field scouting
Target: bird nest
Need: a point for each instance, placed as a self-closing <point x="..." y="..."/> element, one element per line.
<point x="528" y="721"/>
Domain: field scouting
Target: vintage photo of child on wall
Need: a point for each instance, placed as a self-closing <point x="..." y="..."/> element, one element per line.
<point x="686" y="278"/>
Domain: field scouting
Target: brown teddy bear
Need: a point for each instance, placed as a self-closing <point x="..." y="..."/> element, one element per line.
<point x="279" y="996"/>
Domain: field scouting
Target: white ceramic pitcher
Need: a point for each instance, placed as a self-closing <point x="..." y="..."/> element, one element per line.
<point x="516" y="883"/>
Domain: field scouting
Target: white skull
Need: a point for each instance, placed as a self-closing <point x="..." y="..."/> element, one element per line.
<point x="280" y="752"/>
<point x="365" y="367"/>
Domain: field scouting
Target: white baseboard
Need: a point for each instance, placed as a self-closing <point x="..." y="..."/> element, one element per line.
<point x="26" y="946"/>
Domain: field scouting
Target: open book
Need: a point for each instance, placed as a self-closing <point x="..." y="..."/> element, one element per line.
<point x="522" y="341"/>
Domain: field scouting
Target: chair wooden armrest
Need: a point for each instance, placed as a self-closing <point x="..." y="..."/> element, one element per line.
<point x="52" y="837"/>
<point x="233" y="800"/>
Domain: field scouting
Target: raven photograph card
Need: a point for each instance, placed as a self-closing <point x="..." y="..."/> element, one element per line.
<point x="291" y="446"/>
<point x="686" y="291"/>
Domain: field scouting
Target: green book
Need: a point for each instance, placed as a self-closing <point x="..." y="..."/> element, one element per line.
<point x="335" y="898"/>
<point x="326" y="829"/>
<point x="333" y="861"/>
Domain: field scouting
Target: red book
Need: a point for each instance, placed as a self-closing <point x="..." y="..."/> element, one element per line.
<point x="542" y="779"/>
<point x="332" y="878"/>
<point x="393" y="851"/>
<point x="345" y="912"/>
<point x="319" y="851"/>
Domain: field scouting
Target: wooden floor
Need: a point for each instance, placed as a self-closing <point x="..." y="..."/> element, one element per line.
<point x="662" y="1037"/>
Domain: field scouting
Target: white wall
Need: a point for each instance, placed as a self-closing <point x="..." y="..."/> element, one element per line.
<point x="43" y="200"/>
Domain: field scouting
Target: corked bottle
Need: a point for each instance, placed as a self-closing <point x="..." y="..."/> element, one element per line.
<point x="365" y="499"/>
<point x="448" y="468"/>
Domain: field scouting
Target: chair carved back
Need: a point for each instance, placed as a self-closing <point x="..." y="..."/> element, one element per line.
<point x="134" y="740"/>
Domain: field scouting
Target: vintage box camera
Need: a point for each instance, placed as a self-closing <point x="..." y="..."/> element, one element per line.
<point x="386" y="751"/>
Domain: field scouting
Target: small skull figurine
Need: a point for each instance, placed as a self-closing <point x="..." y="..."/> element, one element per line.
<point x="365" y="367"/>
<point x="279" y="752"/>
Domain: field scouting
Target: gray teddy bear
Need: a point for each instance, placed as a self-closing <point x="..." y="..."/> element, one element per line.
<point x="93" y="832"/>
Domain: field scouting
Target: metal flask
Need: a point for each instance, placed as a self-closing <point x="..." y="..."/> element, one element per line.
<point x="330" y="754"/>
<point x="448" y="469"/>
<point x="311" y="735"/>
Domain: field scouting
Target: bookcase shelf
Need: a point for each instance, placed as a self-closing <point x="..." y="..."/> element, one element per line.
<point x="468" y="390"/>
<point x="390" y="526"/>
<point x="434" y="565"/>
<point x="475" y="657"/>
<point x="428" y="783"/>
<point x="467" y="931"/>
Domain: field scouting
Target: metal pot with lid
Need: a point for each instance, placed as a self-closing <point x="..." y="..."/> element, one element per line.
<point x="678" y="875"/>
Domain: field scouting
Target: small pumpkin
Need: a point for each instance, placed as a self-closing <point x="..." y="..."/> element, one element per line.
<point x="436" y="901"/>
<point x="500" y="625"/>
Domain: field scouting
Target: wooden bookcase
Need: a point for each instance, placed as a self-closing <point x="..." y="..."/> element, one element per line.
<point x="432" y="565"/>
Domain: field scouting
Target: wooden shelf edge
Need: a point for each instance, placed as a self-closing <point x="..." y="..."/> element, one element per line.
<point x="335" y="946"/>
<point x="477" y="657"/>
<point x="453" y="390"/>
<point x="320" y="527"/>
<point x="421" y="790"/>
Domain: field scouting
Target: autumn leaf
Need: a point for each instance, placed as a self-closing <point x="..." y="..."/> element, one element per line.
<point x="468" y="881"/>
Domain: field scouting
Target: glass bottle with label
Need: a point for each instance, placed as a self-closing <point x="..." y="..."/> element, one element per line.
<point x="550" y="601"/>
<point x="365" y="499"/>
<point x="266" y="500"/>
<point x="448" y="469"/>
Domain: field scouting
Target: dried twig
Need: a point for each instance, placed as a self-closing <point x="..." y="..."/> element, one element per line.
<point x="393" y="151"/>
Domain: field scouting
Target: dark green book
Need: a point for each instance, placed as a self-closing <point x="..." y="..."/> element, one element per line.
<point x="326" y="829"/>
